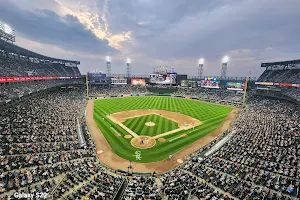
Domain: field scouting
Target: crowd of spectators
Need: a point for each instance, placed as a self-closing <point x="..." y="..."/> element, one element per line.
<point x="292" y="92"/>
<point x="11" y="66"/>
<point x="116" y="90"/>
<point x="17" y="89"/>
<point x="180" y="184"/>
<point x="38" y="141"/>
<point x="208" y="93"/>
<point x="93" y="181"/>
<point x="141" y="187"/>
<point x="261" y="160"/>
<point x="40" y="153"/>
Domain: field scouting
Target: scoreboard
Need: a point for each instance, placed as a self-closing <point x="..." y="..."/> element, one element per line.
<point x="163" y="79"/>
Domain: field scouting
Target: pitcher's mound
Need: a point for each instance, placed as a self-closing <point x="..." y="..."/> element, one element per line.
<point x="161" y="139"/>
<point x="150" y="124"/>
<point x="143" y="142"/>
<point x="128" y="136"/>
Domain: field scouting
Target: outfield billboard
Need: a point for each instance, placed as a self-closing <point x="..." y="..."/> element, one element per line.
<point x="188" y="83"/>
<point x="118" y="81"/>
<point x="138" y="81"/>
<point x="235" y="85"/>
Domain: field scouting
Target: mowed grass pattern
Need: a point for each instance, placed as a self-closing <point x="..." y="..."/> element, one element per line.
<point x="210" y="114"/>
<point x="162" y="125"/>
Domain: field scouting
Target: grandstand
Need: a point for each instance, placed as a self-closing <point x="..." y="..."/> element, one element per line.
<point x="280" y="79"/>
<point x="281" y="72"/>
<point x="48" y="151"/>
<point x="23" y="72"/>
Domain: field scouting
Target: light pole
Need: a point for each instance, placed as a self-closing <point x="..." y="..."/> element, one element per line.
<point x="128" y="68"/>
<point x="224" y="66"/>
<point x="200" y="69"/>
<point x="108" y="66"/>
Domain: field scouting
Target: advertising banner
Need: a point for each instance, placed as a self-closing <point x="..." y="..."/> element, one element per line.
<point x="137" y="81"/>
<point x="263" y="83"/>
<point x="33" y="78"/>
<point x="286" y="84"/>
<point x="289" y="85"/>
<point x="278" y="84"/>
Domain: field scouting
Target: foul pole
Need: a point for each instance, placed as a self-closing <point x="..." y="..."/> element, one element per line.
<point x="245" y="92"/>
<point x="87" y="85"/>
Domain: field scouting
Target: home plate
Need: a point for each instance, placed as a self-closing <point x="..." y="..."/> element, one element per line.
<point x="179" y="161"/>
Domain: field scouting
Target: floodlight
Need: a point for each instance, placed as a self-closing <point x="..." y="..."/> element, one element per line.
<point x="108" y="59"/>
<point x="7" y="29"/>
<point x="201" y="61"/>
<point x="128" y="60"/>
<point x="225" y="59"/>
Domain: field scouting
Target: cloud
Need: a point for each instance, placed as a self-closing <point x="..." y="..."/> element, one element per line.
<point x="46" y="26"/>
<point x="93" y="14"/>
<point x="242" y="24"/>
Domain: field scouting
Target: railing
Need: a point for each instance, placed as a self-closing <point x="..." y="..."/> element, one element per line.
<point x="120" y="192"/>
<point x="81" y="140"/>
<point x="52" y="192"/>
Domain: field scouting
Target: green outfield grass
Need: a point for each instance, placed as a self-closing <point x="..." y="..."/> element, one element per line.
<point x="162" y="125"/>
<point x="210" y="114"/>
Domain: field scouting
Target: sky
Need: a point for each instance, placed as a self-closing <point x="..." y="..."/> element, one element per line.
<point x="175" y="33"/>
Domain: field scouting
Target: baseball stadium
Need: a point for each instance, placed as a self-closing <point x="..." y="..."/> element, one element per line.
<point x="70" y="132"/>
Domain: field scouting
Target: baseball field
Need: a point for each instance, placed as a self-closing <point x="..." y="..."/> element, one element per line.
<point x="150" y="129"/>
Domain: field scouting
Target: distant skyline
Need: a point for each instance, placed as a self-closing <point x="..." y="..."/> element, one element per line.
<point x="152" y="33"/>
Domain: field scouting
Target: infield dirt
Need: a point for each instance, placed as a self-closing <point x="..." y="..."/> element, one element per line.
<point x="184" y="122"/>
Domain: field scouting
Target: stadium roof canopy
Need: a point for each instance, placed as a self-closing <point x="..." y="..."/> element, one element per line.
<point x="11" y="48"/>
<point x="290" y="63"/>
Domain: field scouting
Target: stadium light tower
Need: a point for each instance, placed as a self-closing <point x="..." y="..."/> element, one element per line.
<point x="224" y="66"/>
<point x="108" y="66"/>
<point x="200" y="69"/>
<point x="128" y="61"/>
<point x="7" y="33"/>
